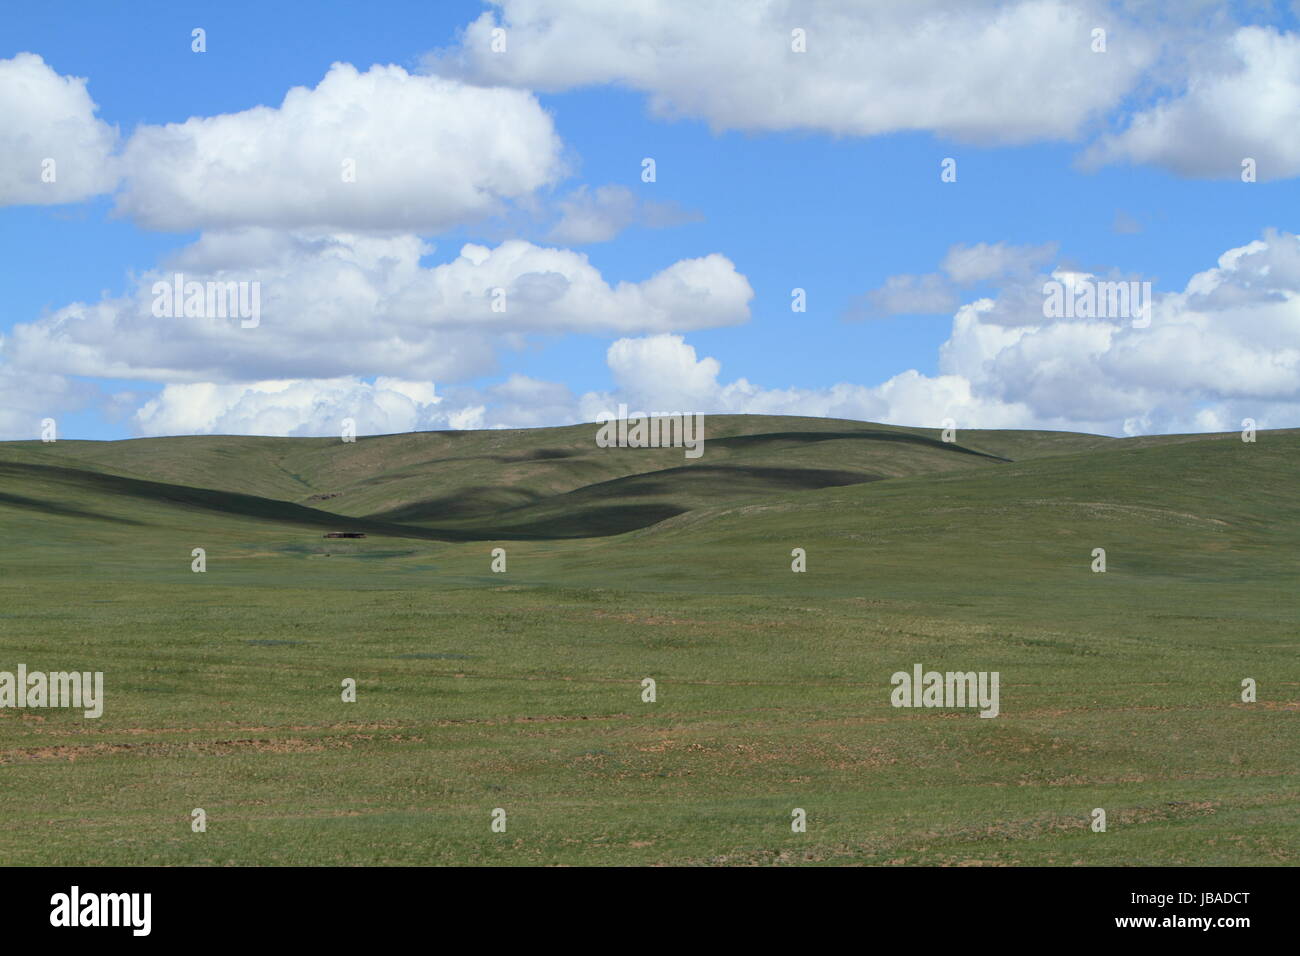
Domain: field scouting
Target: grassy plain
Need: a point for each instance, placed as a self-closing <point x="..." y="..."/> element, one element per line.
<point x="522" y="690"/>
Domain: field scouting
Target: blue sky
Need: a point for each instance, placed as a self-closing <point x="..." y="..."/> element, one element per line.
<point x="836" y="205"/>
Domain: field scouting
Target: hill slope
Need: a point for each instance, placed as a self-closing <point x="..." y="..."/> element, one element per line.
<point x="534" y="483"/>
<point x="523" y="689"/>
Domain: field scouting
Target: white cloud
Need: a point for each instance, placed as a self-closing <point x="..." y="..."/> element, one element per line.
<point x="662" y="368"/>
<point x="1229" y="343"/>
<point x="663" y="373"/>
<point x="1225" y="348"/>
<point x="303" y="407"/>
<point x="342" y="305"/>
<point x="28" y="398"/>
<point x="50" y="117"/>
<point x="292" y="408"/>
<point x="1242" y="103"/>
<point x="963" y="265"/>
<point x="430" y="153"/>
<point x="524" y="402"/>
<point x="982" y="70"/>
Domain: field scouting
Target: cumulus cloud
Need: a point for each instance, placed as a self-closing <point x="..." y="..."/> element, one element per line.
<point x="28" y="398"/>
<point x="318" y="407"/>
<point x="340" y="305"/>
<point x="1243" y="102"/>
<point x="522" y="402"/>
<point x="868" y="68"/>
<point x="664" y="374"/>
<point x="428" y="153"/>
<point x="1225" y="348"/>
<point x="935" y="293"/>
<point x="292" y="408"/>
<point x="49" y="117"/>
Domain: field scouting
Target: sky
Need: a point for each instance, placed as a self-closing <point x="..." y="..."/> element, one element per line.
<point x="443" y="217"/>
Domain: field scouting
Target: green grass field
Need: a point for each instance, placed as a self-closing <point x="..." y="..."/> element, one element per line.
<point x="522" y="690"/>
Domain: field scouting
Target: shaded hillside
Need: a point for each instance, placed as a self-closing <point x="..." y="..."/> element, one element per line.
<point x="550" y="482"/>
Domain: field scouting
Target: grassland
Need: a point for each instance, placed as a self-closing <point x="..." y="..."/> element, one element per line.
<point x="522" y="690"/>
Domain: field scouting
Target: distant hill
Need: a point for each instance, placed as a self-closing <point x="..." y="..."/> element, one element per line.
<point x="555" y="483"/>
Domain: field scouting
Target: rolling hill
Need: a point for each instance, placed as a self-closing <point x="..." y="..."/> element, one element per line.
<point x="522" y="689"/>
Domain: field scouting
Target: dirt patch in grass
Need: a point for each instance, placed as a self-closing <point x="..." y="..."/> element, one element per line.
<point x="217" y="748"/>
